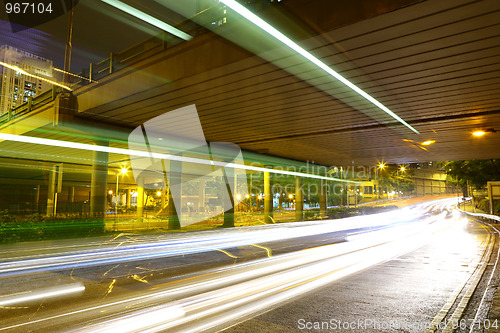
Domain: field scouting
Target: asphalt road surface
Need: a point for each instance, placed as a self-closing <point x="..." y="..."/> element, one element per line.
<point x="403" y="271"/>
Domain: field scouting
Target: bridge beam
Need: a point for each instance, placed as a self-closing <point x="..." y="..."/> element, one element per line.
<point x="98" y="184"/>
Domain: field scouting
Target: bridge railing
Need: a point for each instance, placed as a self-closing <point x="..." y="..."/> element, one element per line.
<point x="138" y="52"/>
<point x="25" y="108"/>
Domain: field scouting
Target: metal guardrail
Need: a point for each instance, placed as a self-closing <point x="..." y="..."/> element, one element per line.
<point x="484" y="216"/>
<point x="138" y="52"/>
<point x="117" y="61"/>
<point x="25" y="108"/>
<point x="481" y="215"/>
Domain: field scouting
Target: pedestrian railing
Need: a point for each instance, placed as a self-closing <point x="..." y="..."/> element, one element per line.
<point x="117" y="61"/>
<point x="492" y="218"/>
<point x="32" y="103"/>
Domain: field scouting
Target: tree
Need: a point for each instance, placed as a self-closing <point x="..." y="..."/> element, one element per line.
<point x="476" y="172"/>
<point x="396" y="180"/>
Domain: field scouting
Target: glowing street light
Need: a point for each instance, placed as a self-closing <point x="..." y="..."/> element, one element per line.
<point x="381" y="166"/>
<point x="428" y="142"/>
<point x="251" y="17"/>
<point x="290" y="196"/>
<point x="402" y="168"/>
<point x="238" y="197"/>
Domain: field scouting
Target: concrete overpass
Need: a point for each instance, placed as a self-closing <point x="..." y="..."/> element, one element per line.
<point x="435" y="64"/>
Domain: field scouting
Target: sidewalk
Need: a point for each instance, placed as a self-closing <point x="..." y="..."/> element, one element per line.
<point x="492" y="319"/>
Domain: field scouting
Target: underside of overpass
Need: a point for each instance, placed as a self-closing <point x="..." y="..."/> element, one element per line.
<point x="433" y="63"/>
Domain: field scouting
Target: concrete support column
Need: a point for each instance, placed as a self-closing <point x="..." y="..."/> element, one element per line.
<point x="98" y="196"/>
<point x="490" y="196"/>
<point x="163" y="197"/>
<point x="174" y="185"/>
<point x="201" y="196"/>
<point x="37" y="198"/>
<point x="140" y="198"/>
<point x="229" y="209"/>
<point x="250" y="192"/>
<point x="299" y="200"/>
<point x="322" y="198"/>
<point x="173" y="218"/>
<point x="129" y="197"/>
<point x="55" y="186"/>
<point x="51" y="193"/>
<point x="268" y="198"/>
<point x="71" y="194"/>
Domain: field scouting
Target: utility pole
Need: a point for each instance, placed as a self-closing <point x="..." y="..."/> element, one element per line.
<point x="67" y="50"/>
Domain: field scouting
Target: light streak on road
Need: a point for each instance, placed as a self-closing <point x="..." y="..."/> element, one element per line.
<point x="220" y="297"/>
<point x="189" y="244"/>
<point x="37" y="295"/>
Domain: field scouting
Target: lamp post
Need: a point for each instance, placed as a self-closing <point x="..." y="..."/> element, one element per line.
<point x="123" y="171"/>
<point x="381" y="166"/>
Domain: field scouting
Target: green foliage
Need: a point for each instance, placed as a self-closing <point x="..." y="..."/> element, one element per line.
<point x="395" y="180"/>
<point x="36" y="227"/>
<point x="477" y="172"/>
<point x="484" y="205"/>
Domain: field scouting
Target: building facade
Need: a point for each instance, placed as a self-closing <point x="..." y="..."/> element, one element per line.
<point x="15" y="87"/>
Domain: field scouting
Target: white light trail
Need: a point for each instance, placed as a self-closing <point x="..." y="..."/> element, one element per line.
<point x="22" y="71"/>
<point x="41" y="294"/>
<point x="148" y="18"/>
<point x="139" y="153"/>
<point x="240" y="9"/>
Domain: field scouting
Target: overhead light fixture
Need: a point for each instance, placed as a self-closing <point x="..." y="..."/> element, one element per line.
<point x="148" y="18"/>
<point x="428" y="142"/>
<point x="243" y="11"/>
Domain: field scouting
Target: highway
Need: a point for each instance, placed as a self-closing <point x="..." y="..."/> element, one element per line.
<point x="403" y="266"/>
